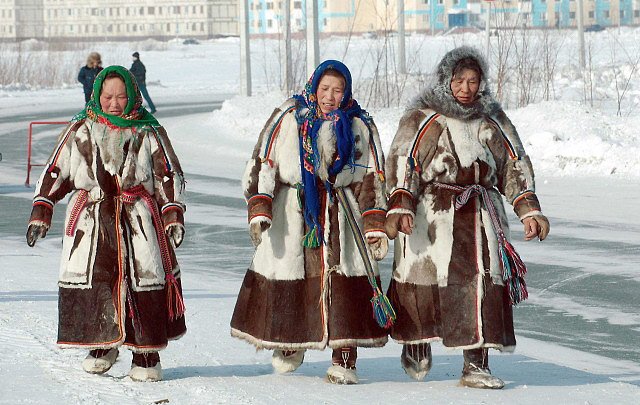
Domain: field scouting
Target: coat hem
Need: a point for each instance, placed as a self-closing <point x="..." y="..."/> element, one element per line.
<point x="262" y="344"/>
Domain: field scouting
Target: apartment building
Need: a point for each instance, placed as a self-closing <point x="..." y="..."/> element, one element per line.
<point x="116" y="19"/>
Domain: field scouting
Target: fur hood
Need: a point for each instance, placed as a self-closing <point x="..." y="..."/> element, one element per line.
<point x="438" y="97"/>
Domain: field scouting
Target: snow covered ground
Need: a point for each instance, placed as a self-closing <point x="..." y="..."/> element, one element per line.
<point x="578" y="334"/>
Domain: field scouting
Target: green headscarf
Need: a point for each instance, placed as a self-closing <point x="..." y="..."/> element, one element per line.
<point x="134" y="115"/>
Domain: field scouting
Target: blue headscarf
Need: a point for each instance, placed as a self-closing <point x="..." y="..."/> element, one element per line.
<point x="310" y="119"/>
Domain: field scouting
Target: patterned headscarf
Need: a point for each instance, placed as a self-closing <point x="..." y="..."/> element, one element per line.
<point x="310" y="119"/>
<point x="134" y="115"/>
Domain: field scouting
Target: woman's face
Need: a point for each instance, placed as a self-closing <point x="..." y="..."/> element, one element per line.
<point x="465" y="85"/>
<point x="330" y="92"/>
<point x="113" y="96"/>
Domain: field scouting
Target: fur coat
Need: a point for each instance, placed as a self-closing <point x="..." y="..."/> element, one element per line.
<point x="111" y="284"/>
<point x="447" y="279"/>
<point x="295" y="297"/>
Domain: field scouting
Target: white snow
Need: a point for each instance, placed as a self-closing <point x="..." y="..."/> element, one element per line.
<point x="587" y="162"/>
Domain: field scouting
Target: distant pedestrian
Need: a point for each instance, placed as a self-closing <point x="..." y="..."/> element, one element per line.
<point x="88" y="74"/>
<point x="140" y="73"/>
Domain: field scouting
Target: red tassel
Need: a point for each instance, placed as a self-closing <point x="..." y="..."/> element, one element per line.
<point x="175" y="303"/>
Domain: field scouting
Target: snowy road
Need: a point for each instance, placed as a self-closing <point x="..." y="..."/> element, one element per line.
<point x="578" y="333"/>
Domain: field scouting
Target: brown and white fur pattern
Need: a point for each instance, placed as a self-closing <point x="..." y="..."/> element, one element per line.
<point x="447" y="283"/>
<point x="114" y="247"/>
<point x="309" y="298"/>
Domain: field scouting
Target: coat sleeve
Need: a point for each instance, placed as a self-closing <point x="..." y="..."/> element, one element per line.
<point x="514" y="168"/>
<point x="81" y="76"/>
<point x="55" y="181"/>
<point x="259" y="180"/>
<point x="169" y="181"/>
<point x="371" y="193"/>
<point x="412" y="149"/>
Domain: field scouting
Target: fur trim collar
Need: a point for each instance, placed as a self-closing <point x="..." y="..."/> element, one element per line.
<point x="438" y="96"/>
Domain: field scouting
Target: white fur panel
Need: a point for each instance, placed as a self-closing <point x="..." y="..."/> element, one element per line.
<point x="401" y="171"/>
<point x="530" y="214"/>
<point x="267" y="178"/>
<point x="40" y="223"/>
<point x="76" y="270"/>
<point x="351" y="263"/>
<point x="260" y="219"/>
<point x="280" y="255"/>
<point x="419" y="247"/>
<point x="401" y="211"/>
<point x="286" y="151"/>
<point x="148" y="267"/>
<point x="375" y="234"/>
<point x="465" y="137"/>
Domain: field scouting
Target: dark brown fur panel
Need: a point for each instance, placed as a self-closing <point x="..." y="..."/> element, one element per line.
<point x="350" y="312"/>
<point x="417" y="309"/>
<point x="279" y="310"/>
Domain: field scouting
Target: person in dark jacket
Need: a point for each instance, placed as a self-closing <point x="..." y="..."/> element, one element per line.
<point x="140" y="73"/>
<point x="88" y="74"/>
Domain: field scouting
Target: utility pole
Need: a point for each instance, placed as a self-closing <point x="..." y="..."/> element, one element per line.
<point x="245" y="48"/>
<point x="402" y="62"/>
<point x="288" y="80"/>
<point x="313" y="47"/>
<point x="488" y="29"/>
<point x="581" y="35"/>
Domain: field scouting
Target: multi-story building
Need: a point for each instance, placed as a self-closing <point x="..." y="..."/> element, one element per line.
<point x="116" y="19"/>
<point x="162" y="19"/>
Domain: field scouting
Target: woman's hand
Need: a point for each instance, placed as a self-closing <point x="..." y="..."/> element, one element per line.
<point x="34" y="232"/>
<point x="379" y="247"/>
<point x="175" y="233"/>
<point x="255" y="232"/>
<point x="398" y="222"/>
<point x="537" y="225"/>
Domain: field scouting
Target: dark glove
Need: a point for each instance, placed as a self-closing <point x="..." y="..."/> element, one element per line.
<point x="34" y="232"/>
<point x="175" y="233"/>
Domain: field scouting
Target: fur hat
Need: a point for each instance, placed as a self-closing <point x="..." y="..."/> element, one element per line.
<point x="136" y="55"/>
<point x="438" y="96"/>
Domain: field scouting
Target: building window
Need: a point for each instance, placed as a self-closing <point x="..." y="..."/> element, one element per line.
<point x="621" y="13"/>
<point x="269" y="6"/>
<point x="324" y="22"/>
<point x="168" y="27"/>
<point x="151" y="10"/>
<point x="591" y="14"/>
<point x="297" y="5"/>
<point x="636" y="13"/>
<point x="141" y="10"/>
<point x="606" y="14"/>
<point x="572" y="15"/>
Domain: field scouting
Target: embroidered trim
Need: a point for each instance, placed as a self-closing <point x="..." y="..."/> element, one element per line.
<point x="273" y="134"/>
<point x="372" y="211"/>
<point x="44" y="202"/>
<point x="81" y="201"/>
<point x="172" y="206"/>
<point x="521" y="196"/>
<point x="260" y="195"/>
<point x="413" y="161"/>
<point x="513" y="153"/>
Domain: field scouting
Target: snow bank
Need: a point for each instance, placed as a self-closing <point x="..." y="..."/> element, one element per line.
<point x="562" y="138"/>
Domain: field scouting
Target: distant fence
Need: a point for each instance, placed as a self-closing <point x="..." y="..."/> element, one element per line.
<point x="29" y="141"/>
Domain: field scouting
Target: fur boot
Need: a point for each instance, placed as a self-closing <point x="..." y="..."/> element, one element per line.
<point x="476" y="373"/>
<point x="145" y="367"/>
<point x="286" y="361"/>
<point x="100" y="361"/>
<point x="343" y="368"/>
<point x="416" y="360"/>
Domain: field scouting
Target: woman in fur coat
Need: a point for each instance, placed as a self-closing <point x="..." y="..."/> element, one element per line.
<point x="454" y="156"/>
<point x="119" y="279"/>
<point x="307" y="287"/>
